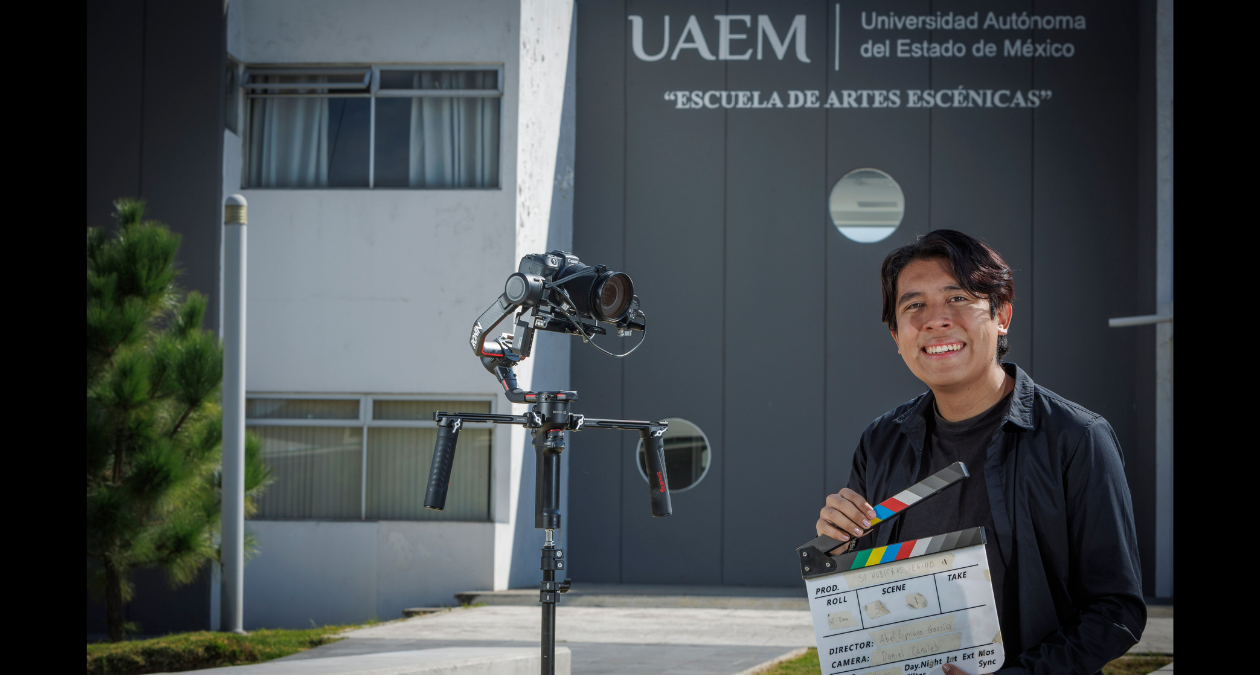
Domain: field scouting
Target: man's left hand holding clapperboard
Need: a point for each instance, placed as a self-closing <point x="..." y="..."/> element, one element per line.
<point x="907" y="608"/>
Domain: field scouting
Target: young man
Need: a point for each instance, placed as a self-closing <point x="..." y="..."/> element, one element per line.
<point x="1047" y="480"/>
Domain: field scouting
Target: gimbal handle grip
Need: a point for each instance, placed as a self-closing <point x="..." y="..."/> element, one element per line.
<point x="443" y="458"/>
<point x="658" y="481"/>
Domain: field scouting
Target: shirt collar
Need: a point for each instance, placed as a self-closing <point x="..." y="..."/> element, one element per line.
<point x="1021" y="411"/>
<point x="913" y="422"/>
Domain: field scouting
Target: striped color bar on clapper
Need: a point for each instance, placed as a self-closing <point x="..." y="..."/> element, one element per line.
<point x="919" y="491"/>
<point x="917" y="547"/>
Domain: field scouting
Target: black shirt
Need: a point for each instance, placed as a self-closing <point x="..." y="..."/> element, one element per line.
<point x="964" y="504"/>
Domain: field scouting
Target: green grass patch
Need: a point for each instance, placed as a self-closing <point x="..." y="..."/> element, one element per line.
<point x="806" y="664"/>
<point x="190" y="651"/>
<point x="1136" y="664"/>
<point x="1125" y="665"/>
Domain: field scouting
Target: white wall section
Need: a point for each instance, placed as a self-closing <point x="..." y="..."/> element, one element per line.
<point x="544" y="221"/>
<point x="375" y="290"/>
<point x="350" y="572"/>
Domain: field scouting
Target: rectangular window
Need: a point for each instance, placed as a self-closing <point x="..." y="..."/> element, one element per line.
<point x="386" y="127"/>
<point x="231" y="96"/>
<point x="365" y="458"/>
<point x="318" y="472"/>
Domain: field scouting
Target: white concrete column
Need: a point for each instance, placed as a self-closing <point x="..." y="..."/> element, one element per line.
<point x="544" y="221"/>
<point x="233" y="493"/>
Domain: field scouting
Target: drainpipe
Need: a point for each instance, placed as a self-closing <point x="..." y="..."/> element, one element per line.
<point x="233" y="486"/>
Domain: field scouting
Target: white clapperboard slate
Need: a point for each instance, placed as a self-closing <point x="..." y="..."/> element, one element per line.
<point x="907" y="608"/>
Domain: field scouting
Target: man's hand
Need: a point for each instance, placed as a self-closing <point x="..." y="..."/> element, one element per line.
<point x="846" y="516"/>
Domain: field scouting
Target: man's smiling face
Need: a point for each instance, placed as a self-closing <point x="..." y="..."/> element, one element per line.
<point x="945" y="334"/>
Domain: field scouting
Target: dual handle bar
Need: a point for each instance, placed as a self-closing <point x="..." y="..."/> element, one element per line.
<point x="547" y="420"/>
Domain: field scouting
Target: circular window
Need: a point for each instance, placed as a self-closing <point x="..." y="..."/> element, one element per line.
<point x="866" y="205"/>
<point x="687" y="454"/>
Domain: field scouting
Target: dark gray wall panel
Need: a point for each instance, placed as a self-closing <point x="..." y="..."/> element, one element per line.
<point x="775" y="289"/>
<point x="115" y="89"/>
<point x="164" y="609"/>
<point x="865" y="375"/>
<point x="982" y="160"/>
<point x="766" y="319"/>
<point x="1140" y="456"/>
<point x="674" y="248"/>
<point x="155" y="123"/>
<point x="1085" y="225"/>
<point x="595" y="462"/>
<point x="155" y="130"/>
<point x="181" y="173"/>
<point x="156" y="607"/>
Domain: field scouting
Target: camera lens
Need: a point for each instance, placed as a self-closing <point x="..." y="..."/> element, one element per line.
<point x="615" y="292"/>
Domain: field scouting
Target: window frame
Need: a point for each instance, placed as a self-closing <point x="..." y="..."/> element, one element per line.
<point x="373" y="91"/>
<point x="365" y="422"/>
<point x="236" y="71"/>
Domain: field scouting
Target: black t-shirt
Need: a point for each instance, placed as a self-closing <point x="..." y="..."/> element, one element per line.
<point x="966" y="503"/>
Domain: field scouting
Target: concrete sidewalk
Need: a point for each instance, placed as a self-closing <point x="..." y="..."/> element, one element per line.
<point x="1156" y="639"/>
<point x="588" y="594"/>
<point x="609" y="640"/>
<point x="609" y="625"/>
<point x="1158" y="636"/>
<point x="602" y="641"/>
<point x="588" y="658"/>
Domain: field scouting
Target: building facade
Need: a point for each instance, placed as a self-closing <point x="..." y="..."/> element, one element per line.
<point x="712" y="137"/>
<point x="399" y="159"/>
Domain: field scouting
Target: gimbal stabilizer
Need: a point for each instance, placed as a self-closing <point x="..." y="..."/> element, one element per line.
<point x="560" y="291"/>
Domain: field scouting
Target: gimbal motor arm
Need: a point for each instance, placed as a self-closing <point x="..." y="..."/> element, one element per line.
<point x="521" y="292"/>
<point x="499" y="358"/>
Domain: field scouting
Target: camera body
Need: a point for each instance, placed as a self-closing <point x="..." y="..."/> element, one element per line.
<point x="595" y="293"/>
<point x="559" y="293"/>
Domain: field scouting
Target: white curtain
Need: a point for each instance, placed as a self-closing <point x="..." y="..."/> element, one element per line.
<point x="398" y="463"/>
<point x="318" y="471"/>
<point x="291" y="146"/>
<point x="453" y="142"/>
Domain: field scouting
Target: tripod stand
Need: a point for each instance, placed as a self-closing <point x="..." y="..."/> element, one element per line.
<point x="548" y="418"/>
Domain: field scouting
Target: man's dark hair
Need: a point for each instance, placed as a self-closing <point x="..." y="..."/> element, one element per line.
<point x="978" y="268"/>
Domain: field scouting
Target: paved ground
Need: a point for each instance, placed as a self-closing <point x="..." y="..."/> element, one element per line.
<point x="610" y="625"/>
<point x="1157" y="638"/>
<point x="603" y="641"/>
<point x="588" y="658"/>
<point x="587" y="594"/>
<point x="681" y="638"/>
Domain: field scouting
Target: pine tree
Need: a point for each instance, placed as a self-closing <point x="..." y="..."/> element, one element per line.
<point x="154" y="424"/>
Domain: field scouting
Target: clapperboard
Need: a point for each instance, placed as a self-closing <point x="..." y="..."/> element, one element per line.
<point x="907" y="608"/>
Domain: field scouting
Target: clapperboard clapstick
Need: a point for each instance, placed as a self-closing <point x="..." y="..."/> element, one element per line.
<point x="919" y="491"/>
<point x="897" y="503"/>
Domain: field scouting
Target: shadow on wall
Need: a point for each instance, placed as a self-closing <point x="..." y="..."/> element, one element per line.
<point x="551" y="350"/>
<point x="156" y="608"/>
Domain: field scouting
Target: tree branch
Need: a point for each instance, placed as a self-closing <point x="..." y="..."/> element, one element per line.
<point x="182" y="418"/>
